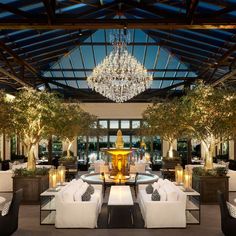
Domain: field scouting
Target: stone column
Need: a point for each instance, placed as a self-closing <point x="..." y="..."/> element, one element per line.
<point x="232" y="150"/>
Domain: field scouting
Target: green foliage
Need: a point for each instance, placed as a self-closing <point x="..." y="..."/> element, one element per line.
<point x="33" y="114"/>
<point x="5" y="112"/>
<point x="164" y="119"/>
<point x="66" y="159"/>
<point x="30" y="173"/>
<point x="208" y="111"/>
<point x="201" y="171"/>
<point x="72" y="121"/>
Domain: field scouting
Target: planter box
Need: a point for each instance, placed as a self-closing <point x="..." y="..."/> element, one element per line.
<point x="32" y="187"/>
<point x="207" y="186"/>
<point x="69" y="164"/>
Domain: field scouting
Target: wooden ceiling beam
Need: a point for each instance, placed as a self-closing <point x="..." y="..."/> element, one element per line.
<point x="225" y="77"/>
<point x="50" y="6"/>
<point x="76" y="24"/>
<point x="191" y="6"/>
<point x="18" y="80"/>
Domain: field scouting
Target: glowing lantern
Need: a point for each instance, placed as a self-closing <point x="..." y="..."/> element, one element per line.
<point x="179" y="174"/>
<point x="188" y="180"/>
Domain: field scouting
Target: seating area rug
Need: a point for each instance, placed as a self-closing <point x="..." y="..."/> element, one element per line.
<point x="120" y="218"/>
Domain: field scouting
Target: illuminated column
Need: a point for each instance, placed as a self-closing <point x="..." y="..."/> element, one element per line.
<point x="232" y="151"/>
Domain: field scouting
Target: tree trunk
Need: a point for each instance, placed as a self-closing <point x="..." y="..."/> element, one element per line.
<point x="170" y="151"/>
<point x="31" y="164"/>
<point x="209" y="147"/>
<point x="68" y="148"/>
<point x="189" y="156"/>
<point x="50" y="150"/>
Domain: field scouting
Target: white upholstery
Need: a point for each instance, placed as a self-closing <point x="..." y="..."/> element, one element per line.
<point x="6" y="182"/>
<point x="232" y="180"/>
<point x="77" y="214"/>
<point x="163" y="213"/>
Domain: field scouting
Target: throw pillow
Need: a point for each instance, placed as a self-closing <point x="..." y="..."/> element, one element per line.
<point x="6" y="208"/>
<point x="149" y="189"/>
<point x="90" y="189"/>
<point x="232" y="209"/>
<point x="86" y="197"/>
<point x="156" y="196"/>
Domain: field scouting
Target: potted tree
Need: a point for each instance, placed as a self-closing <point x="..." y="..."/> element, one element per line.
<point x="72" y="121"/>
<point x="32" y="115"/>
<point x="209" y="115"/>
<point x="164" y="119"/>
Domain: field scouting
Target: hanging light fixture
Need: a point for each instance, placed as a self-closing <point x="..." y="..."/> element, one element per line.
<point x="119" y="76"/>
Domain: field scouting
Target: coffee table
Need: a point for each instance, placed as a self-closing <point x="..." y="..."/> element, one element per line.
<point x="120" y="196"/>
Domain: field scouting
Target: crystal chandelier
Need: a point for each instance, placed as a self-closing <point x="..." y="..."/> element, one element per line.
<point x="119" y="76"/>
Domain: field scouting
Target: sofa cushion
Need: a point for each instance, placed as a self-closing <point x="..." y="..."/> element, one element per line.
<point x="6" y="208"/>
<point x="90" y="189"/>
<point x="162" y="193"/>
<point x="171" y="192"/>
<point x="68" y="193"/>
<point x="156" y="186"/>
<point x="80" y="191"/>
<point x="232" y="209"/>
<point x="149" y="189"/>
<point x="86" y="197"/>
<point x="156" y="196"/>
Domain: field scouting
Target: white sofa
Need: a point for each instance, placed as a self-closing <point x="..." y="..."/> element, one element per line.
<point x="169" y="211"/>
<point x="72" y="212"/>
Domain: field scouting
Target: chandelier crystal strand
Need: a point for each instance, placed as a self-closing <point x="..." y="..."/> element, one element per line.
<point x="119" y="76"/>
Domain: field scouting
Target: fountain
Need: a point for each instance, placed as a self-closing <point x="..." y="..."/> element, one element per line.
<point x="119" y="155"/>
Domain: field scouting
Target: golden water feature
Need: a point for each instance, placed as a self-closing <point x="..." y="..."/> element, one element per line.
<point x="119" y="157"/>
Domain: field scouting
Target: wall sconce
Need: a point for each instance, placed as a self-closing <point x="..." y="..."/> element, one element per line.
<point x="179" y="174"/>
<point x="188" y="180"/>
<point x="61" y="172"/>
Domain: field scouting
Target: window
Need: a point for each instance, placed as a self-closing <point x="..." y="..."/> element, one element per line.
<point x="114" y="124"/>
<point x="135" y="124"/>
<point x="103" y="124"/>
<point x="125" y="124"/>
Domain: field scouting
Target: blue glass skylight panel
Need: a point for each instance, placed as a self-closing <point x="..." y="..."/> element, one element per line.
<point x="88" y="56"/>
<point x="166" y="83"/>
<point x="162" y="59"/>
<point x="99" y="52"/>
<point x="32" y="7"/>
<point x="156" y="84"/>
<point x="72" y="83"/>
<point x="79" y="74"/>
<point x="82" y="84"/>
<point x="150" y="56"/>
<point x="98" y="36"/>
<point x="140" y="36"/>
<point x="180" y="74"/>
<point x="138" y="53"/>
<point x="71" y="8"/>
<point x="57" y="74"/>
<point x="170" y="74"/>
<point x="68" y="74"/>
<point x="76" y="59"/>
